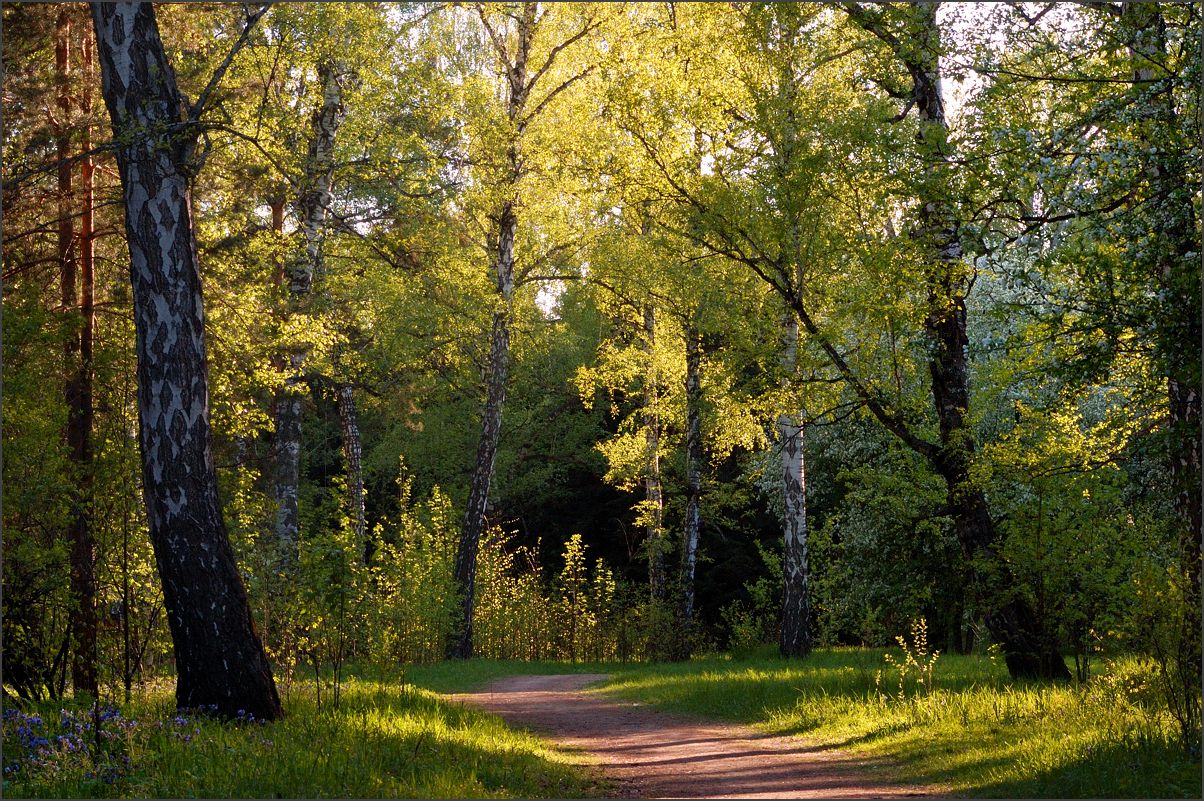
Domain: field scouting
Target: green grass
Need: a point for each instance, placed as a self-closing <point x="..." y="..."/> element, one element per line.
<point x="973" y="733"/>
<point x="385" y="740"/>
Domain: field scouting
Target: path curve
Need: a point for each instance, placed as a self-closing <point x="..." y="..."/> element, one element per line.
<point x="654" y="754"/>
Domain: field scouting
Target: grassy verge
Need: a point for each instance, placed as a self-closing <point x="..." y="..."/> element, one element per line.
<point x="385" y="740"/>
<point x="967" y="731"/>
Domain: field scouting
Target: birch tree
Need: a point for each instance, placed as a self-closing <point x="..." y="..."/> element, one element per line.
<point x="219" y="659"/>
<point x="535" y="72"/>
<point x="300" y="268"/>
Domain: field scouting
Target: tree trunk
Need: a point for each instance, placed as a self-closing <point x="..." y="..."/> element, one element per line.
<point x="653" y="495"/>
<point x="300" y="268"/>
<point x="77" y="362"/>
<point x="219" y="658"/>
<point x="460" y="645"/>
<point x="352" y="453"/>
<point x="694" y="459"/>
<point x="796" y="601"/>
<point x="1011" y="619"/>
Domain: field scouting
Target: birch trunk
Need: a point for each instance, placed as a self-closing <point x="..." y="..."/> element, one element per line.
<point x="694" y="458"/>
<point x="1014" y="623"/>
<point x="352" y="454"/>
<point x="219" y="658"/>
<point x="460" y="645"/>
<point x="796" y="601"/>
<point x="653" y="494"/>
<point x="77" y="361"/>
<point x="300" y="268"/>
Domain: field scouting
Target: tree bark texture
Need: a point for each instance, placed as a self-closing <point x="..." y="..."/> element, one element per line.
<point x="353" y="454"/>
<point x="300" y="269"/>
<point x="220" y="661"/>
<point x="1010" y="618"/>
<point x="796" y="600"/>
<point x="76" y="282"/>
<point x="694" y="459"/>
<point x="653" y="493"/>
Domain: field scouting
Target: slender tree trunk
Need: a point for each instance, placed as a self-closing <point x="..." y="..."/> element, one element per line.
<point x="460" y="645"/>
<point x="219" y="658"/>
<point x="653" y="493"/>
<point x="694" y="459"/>
<point x="796" y="601"/>
<point x="300" y="269"/>
<point x="352" y="453"/>
<point x="77" y="363"/>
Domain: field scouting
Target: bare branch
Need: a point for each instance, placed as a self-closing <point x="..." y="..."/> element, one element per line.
<point x="202" y="102"/>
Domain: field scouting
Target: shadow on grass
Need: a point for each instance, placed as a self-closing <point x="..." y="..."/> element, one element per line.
<point x="1131" y="769"/>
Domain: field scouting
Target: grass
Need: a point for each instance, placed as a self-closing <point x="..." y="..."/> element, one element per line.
<point x="968" y="731"/>
<point x="386" y="740"/>
<point x="459" y="676"/>
<point x="971" y="732"/>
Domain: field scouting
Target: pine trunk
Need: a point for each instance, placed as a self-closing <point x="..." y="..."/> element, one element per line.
<point x="77" y="361"/>
<point x="220" y="661"/>
<point x="653" y="494"/>
<point x="796" y="601"/>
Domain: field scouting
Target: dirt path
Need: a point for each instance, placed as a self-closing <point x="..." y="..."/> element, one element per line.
<point x="652" y="754"/>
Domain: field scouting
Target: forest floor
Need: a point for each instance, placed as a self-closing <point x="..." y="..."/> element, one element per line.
<point x="648" y="753"/>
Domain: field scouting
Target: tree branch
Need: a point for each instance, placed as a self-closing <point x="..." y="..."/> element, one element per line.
<point x="202" y="102"/>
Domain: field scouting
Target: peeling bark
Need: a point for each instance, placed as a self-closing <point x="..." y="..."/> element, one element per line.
<point x="1013" y="622"/>
<point x="796" y="601"/>
<point x="219" y="658"/>
<point x="459" y="645"/>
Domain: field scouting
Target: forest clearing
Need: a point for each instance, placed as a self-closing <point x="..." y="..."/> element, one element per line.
<point x="748" y="399"/>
